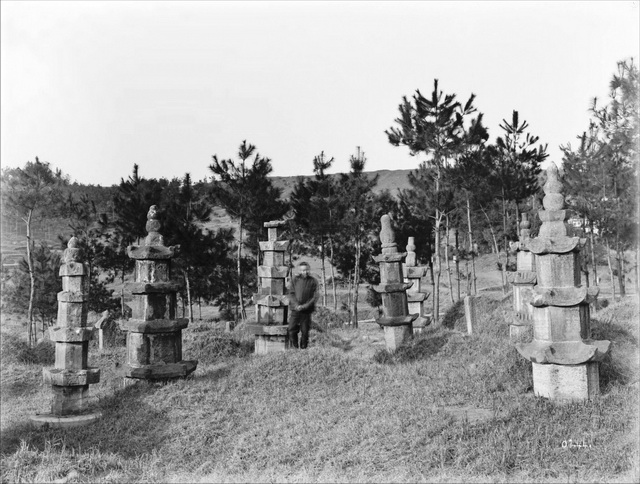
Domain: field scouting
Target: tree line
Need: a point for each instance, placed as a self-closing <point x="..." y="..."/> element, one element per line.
<point x="465" y="198"/>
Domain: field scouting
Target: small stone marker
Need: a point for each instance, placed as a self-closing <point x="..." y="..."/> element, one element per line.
<point x="104" y="317"/>
<point x="470" y="312"/>
<point x="272" y="305"/>
<point x="71" y="377"/>
<point x="564" y="357"/>
<point x="154" y="334"/>
<point x="396" y="320"/>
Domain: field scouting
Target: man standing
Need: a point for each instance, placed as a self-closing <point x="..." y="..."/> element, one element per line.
<point x="303" y="294"/>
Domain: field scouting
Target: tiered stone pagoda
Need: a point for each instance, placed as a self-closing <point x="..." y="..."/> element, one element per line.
<point x="523" y="280"/>
<point x="415" y="296"/>
<point x="71" y="377"/>
<point x="270" y="330"/>
<point x="154" y="334"/>
<point x="396" y="320"/>
<point x="565" y="359"/>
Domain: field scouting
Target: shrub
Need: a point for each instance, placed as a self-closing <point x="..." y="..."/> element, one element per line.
<point x="14" y="349"/>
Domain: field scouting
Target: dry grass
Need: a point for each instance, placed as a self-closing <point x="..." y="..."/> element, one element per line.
<point x="449" y="407"/>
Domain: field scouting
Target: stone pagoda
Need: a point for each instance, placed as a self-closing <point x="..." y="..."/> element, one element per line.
<point x="523" y="280"/>
<point x="565" y="360"/>
<point x="71" y="377"/>
<point x="272" y="305"/>
<point x="415" y="296"/>
<point x="154" y="334"/>
<point x="396" y="320"/>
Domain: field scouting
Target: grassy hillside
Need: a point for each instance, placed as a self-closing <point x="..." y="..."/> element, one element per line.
<point x="449" y="407"/>
<point x="392" y="180"/>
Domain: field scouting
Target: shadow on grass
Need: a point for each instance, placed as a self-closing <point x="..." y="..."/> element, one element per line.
<point x="122" y="414"/>
<point x="420" y="348"/>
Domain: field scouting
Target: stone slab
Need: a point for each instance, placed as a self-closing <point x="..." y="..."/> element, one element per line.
<point x="60" y="377"/>
<point x="566" y="382"/>
<point x="151" y="251"/>
<point x="65" y="422"/>
<point x="265" y="344"/>
<point x="260" y="329"/>
<point x="397" y="320"/>
<point x="159" y="372"/>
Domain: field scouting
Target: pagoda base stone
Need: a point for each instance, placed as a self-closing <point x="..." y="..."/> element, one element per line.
<point x="160" y="371"/>
<point x="420" y="324"/>
<point x="566" y="382"/>
<point x="395" y="336"/>
<point x="68" y="421"/>
<point x="270" y="344"/>
<point x="268" y="339"/>
<point x="520" y="333"/>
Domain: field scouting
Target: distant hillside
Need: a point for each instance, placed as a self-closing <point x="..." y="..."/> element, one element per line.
<point x="392" y="180"/>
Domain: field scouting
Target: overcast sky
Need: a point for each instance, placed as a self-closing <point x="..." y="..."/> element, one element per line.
<point x="94" y="87"/>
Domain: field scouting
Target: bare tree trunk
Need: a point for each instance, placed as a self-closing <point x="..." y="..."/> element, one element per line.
<point x="200" y="308"/>
<point x="473" y="254"/>
<point x="495" y="245"/>
<point x="506" y="245"/>
<point x="324" y="274"/>
<point x="437" y="270"/>
<point x="356" y="284"/>
<point x="32" y="283"/>
<point x="594" y="263"/>
<point x="243" y="314"/>
<point x="333" y="276"/>
<point x="189" y="302"/>
<point x="349" y="295"/>
<point x="613" y="282"/>
<point x="446" y="257"/>
<point x="621" y="267"/>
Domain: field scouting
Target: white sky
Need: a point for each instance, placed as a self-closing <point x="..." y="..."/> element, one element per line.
<point x="94" y="87"/>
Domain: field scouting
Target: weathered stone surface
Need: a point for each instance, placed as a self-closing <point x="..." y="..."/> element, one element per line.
<point x="563" y="356"/>
<point x="70" y="335"/>
<point x="72" y="269"/>
<point x="274" y="245"/>
<point x="271" y="286"/>
<point x="65" y="422"/>
<point x="271" y="314"/>
<point x="565" y="382"/>
<point x="148" y="307"/>
<point x="273" y="272"/>
<point x="396" y="336"/>
<point x="397" y="320"/>
<point x="70" y="399"/>
<point x="153" y="271"/>
<point x="270" y="332"/>
<point x="71" y="356"/>
<point x="56" y="376"/>
<point x="72" y="297"/>
<point x="154" y="326"/>
<point x="160" y="372"/>
<point x="153" y="252"/>
<point x="265" y="344"/>
<point x="261" y="329"/>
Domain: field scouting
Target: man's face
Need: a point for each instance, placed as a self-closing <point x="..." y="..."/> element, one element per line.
<point x="304" y="271"/>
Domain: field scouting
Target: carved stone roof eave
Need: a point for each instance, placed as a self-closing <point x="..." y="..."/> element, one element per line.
<point x="563" y="296"/>
<point x="564" y="352"/>
<point x="151" y="252"/>
<point x="555" y="245"/>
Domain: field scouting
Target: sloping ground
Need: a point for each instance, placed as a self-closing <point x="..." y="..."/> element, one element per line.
<point x="338" y="412"/>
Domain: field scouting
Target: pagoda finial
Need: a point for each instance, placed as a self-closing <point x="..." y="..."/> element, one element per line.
<point x="153" y="227"/>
